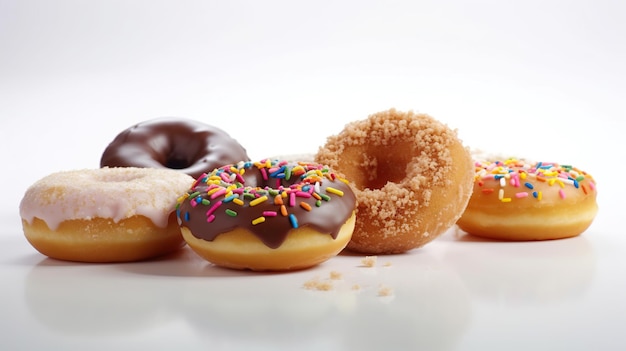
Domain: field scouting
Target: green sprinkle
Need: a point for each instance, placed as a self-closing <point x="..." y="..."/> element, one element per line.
<point x="231" y="212"/>
<point x="318" y="203"/>
<point x="206" y="202"/>
<point x="287" y="173"/>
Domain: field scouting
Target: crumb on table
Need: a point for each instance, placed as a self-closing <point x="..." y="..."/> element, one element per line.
<point x="385" y="291"/>
<point x="369" y="261"/>
<point x="334" y="275"/>
<point x="316" y="284"/>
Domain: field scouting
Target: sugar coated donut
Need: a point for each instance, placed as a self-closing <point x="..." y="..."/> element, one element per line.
<point x="268" y="215"/>
<point x="185" y="145"/>
<point x="412" y="175"/>
<point x="519" y="200"/>
<point x="104" y="215"/>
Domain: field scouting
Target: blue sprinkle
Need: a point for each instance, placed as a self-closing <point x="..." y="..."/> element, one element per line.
<point x="293" y="220"/>
<point x="187" y="216"/>
<point x="535" y="194"/>
<point x="277" y="172"/>
<point x="498" y="176"/>
<point x="575" y="183"/>
<point x="529" y="186"/>
<point x="230" y="198"/>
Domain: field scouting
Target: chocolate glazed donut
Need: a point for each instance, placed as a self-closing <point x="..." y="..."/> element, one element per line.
<point x="185" y="145"/>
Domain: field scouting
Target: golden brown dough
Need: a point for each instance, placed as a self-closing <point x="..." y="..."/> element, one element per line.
<point x="411" y="174"/>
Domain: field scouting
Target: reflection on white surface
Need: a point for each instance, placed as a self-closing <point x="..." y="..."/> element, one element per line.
<point x="523" y="272"/>
<point x="242" y="310"/>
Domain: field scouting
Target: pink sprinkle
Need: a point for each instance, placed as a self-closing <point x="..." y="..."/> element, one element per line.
<point x="195" y="184"/>
<point x="218" y="193"/>
<point x="521" y="194"/>
<point x="270" y="213"/>
<point x="292" y="199"/>
<point x="210" y="218"/>
<point x="213" y="208"/>
<point x="561" y="193"/>
<point x="240" y="178"/>
<point x="592" y="185"/>
<point x="303" y="194"/>
<point x="264" y="174"/>
<point x="225" y="177"/>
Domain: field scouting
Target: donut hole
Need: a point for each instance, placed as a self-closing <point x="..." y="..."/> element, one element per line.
<point x="177" y="162"/>
<point x="379" y="166"/>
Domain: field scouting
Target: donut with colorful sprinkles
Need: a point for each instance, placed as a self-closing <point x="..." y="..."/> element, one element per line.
<point x="270" y="215"/>
<point x="520" y="200"/>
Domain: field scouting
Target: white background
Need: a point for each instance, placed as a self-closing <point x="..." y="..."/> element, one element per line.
<point x="538" y="79"/>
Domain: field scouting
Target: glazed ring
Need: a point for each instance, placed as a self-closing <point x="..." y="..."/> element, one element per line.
<point x="268" y="215"/>
<point x="104" y="215"/>
<point x="518" y="200"/>
<point x="188" y="146"/>
<point x="411" y="174"/>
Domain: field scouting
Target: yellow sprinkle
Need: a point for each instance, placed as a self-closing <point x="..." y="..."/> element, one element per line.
<point x="344" y="180"/>
<point x="258" y="220"/>
<point x="506" y="199"/>
<point x="238" y="202"/>
<point x="539" y="195"/>
<point x="551" y="181"/>
<point x="560" y="183"/>
<point x="210" y="192"/>
<point x="258" y="200"/>
<point x="334" y="191"/>
<point x="523" y="175"/>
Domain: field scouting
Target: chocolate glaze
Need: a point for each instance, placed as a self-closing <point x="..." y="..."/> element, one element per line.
<point x="326" y="215"/>
<point x="185" y="145"/>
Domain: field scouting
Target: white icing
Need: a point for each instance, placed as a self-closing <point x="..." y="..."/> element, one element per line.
<point x="116" y="193"/>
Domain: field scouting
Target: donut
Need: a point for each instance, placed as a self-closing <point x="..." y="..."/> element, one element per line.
<point x="520" y="200"/>
<point x="411" y="174"/>
<point x="105" y="214"/>
<point x="175" y="143"/>
<point x="270" y="215"/>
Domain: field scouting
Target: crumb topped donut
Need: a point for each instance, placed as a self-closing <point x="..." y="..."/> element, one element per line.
<point x="411" y="174"/>
<point x="104" y="215"/>
<point x="268" y="215"/>
<point x="520" y="200"/>
<point x="175" y="143"/>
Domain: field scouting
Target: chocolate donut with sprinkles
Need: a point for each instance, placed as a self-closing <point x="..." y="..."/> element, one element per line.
<point x="520" y="200"/>
<point x="268" y="215"/>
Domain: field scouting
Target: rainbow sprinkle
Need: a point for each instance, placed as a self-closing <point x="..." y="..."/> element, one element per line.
<point x="227" y="184"/>
<point x="520" y="175"/>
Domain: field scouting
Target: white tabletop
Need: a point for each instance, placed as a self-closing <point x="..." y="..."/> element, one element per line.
<point x="538" y="79"/>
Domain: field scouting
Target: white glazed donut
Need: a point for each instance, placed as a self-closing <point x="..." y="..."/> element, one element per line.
<point x="104" y="215"/>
